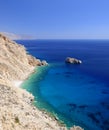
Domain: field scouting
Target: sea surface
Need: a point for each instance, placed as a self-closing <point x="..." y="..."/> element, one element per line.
<point x="76" y="94"/>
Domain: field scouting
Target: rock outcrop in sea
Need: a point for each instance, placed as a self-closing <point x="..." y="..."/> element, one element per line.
<point x="16" y="109"/>
<point x="72" y="60"/>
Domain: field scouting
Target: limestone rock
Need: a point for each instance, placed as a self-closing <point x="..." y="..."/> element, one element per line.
<point x="44" y="62"/>
<point x="36" y="62"/>
<point x="72" y="60"/>
<point x="33" y="61"/>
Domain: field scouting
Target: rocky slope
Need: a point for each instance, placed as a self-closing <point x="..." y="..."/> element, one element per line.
<point x="16" y="109"/>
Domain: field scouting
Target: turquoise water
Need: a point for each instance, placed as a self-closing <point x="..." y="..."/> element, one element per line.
<point x="77" y="94"/>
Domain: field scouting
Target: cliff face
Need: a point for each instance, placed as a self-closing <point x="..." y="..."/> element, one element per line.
<point x="15" y="63"/>
<point x="16" y="109"/>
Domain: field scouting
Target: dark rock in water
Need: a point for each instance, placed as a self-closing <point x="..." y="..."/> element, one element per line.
<point x="70" y="73"/>
<point x="98" y="113"/>
<point x="72" y="105"/>
<point x="106" y="122"/>
<point x="67" y="76"/>
<point x="105" y="92"/>
<point x="105" y="104"/>
<point x="106" y="125"/>
<point x="93" y="117"/>
<point x="83" y="106"/>
<point x="72" y="60"/>
<point x="57" y="73"/>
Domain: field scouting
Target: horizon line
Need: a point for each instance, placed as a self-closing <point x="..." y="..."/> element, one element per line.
<point x="64" y="39"/>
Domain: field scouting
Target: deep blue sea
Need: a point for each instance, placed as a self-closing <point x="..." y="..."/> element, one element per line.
<point x="77" y="94"/>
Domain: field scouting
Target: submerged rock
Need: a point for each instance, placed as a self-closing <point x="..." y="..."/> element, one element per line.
<point x="93" y="117"/>
<point x="72" y="60"/>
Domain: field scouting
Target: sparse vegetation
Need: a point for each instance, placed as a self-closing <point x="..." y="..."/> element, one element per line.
<point x="17" y="120"/>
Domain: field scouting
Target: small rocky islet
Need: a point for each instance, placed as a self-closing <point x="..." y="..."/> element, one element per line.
<point x="72" y="60"/>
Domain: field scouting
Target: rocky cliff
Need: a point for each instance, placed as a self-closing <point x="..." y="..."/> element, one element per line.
<point x="16" y="109"/>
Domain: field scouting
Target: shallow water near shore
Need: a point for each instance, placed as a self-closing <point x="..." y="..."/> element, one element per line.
<point x="78" y="94"/>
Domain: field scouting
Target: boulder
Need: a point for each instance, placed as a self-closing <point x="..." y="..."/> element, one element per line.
<point x="44" y="62"/>
<point x="33" y="61"/>
<point x="72" y="60"/>
<point x="36" y="62"/>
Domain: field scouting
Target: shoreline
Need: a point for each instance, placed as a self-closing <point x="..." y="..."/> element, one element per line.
<point x="17" y="110"/>
<point x="45" y="111"/>
<point x="18" y="83"/>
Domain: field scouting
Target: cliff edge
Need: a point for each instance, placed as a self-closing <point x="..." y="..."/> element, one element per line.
<point x="16" y="109"/>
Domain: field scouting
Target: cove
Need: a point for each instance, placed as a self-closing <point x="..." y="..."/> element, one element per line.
<point x="76" y="94"/>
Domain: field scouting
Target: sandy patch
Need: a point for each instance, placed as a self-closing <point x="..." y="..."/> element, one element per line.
<point x="17" y="83"/>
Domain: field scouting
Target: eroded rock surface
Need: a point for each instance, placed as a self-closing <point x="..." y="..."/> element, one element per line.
<point x="72" y="60"/>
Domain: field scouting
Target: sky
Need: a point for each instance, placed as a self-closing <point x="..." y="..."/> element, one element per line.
<point x="55" y="19"/>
